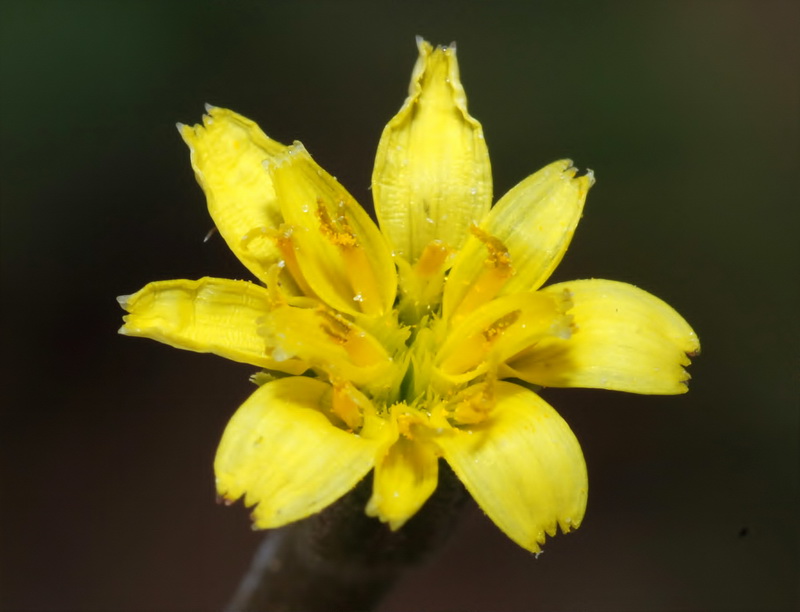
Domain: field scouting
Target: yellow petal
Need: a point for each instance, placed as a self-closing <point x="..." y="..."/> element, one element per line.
<point x="282" y="453"/>
<point x="227" y="152"/>
<point x="329" y="342"/>
<point x="210" y="315"/>
<point x="340" y="251"/>
<point x="432" y="178"/>
<point x="404" y="479"/>
<point x="500" y="329"/>
<point x="523" y="465"/>
<point x="533" y="223"/>
<point x="624" y="339"/>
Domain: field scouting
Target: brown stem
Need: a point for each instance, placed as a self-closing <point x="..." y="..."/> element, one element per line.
<point x="341" y="560"/>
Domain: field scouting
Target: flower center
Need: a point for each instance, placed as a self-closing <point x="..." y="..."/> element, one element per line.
<point x="413" y="366"/>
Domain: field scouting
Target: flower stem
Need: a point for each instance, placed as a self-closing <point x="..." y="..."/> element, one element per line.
<point x="341" y="559"/>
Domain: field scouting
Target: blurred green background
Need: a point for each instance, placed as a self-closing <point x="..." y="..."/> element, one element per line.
<point x="686" y="111"/>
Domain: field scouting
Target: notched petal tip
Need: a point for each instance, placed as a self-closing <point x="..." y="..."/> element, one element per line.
<point x="225" y="501"/>
<point x="436" y="65"/>
<point x="689" y="355"/>
<point x="224" y="496"/>
<point x="256" y="522"/>
<point x="188" y="133"/>
<point x="565" y="525"/>
<point x="692" y="345"/>
<point x="570" y="171"/>
<point x="585" y="181"/>
<point x="123" y="301"/>
<point x="567" y="168"/>
<point x="568" y="524"/>
<point x="425" y="47"/>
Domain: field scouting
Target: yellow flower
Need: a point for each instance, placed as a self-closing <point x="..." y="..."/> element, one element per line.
<point x="387" y="347"/>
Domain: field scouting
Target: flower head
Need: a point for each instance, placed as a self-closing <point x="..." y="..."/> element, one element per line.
<point x="388" y="346"/>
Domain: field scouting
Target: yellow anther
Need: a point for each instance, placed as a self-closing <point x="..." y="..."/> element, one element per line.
<point x="339" y="231"/>
<point x="499" y="257"/>
<point x="362" y="349"/>
<point x="498" y="327"/>
<point x="357" y="266"/>
<point x="336" y="327"/>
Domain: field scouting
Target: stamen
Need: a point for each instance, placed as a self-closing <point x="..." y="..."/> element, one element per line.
<point x="497" y="328"/>
<point x="361" y="348"/>
<point x="498" y="253"/>
<point x="356" y="262"/>
<point x="496" y="271"/>
<point x="336" y="328"/>
<point x="338" y="232"/>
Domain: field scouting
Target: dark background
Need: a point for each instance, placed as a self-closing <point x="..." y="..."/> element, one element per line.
<point x="688" y="114"/>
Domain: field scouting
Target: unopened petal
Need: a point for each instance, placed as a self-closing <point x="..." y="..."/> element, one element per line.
<point x="624" y="339"/>
<point x="534" y="223"/>
<point x="432" y="178"/>
<point x="523" y="465"/>
<point x="339" y="249"/>
<point x="210" y="315"/>
<point x="227" y="154"/>
<point x="404" y="479"/>
<point x="285" y="456"/>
